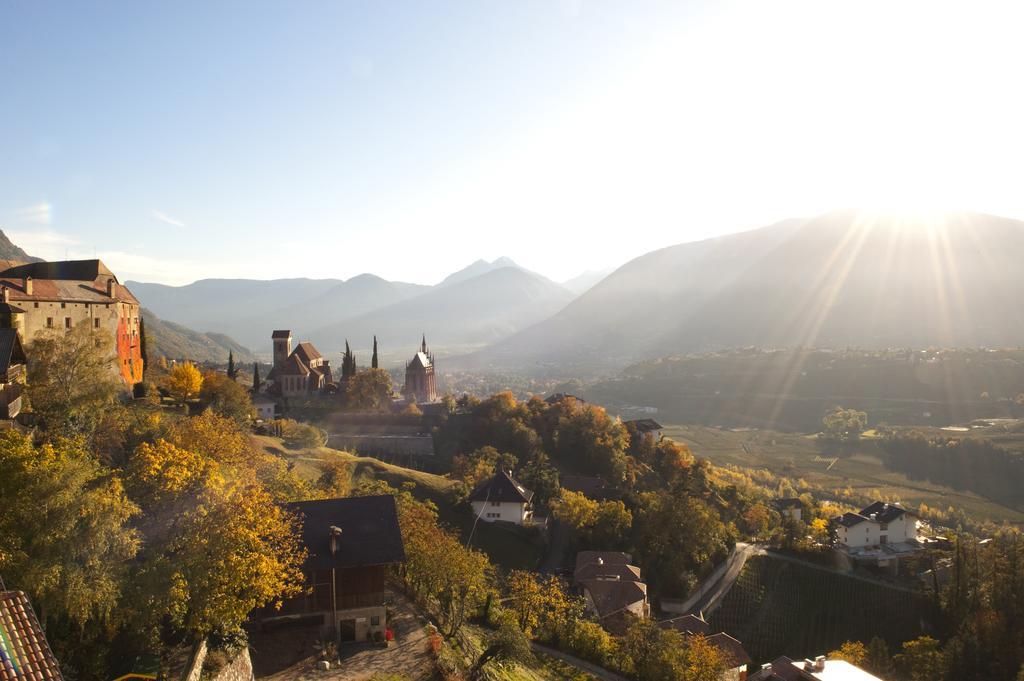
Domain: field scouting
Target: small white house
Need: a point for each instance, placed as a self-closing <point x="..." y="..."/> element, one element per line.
<point x="265" y="407"/>
<point x="790" y="507"/>
<point x="879" y="524"/>
<point x="501" y="498"/>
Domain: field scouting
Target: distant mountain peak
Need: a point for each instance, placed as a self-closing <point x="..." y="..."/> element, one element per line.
<point x="10" y="251"/>
<point x="478" y="267"/>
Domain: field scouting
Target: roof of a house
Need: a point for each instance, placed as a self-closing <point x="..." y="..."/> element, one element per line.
<point x="82" y="281"/>
<point x="883" y="512"/>
<point x="878" y="512"/>
<point x="369" y="532"/>
<point x="611" y="596"/>
<point x="8" y="308"/>
<point x="788" y="502"/>
<point x="731" y="649"/>
<point x="687" y="624"/>
<point x="281" y="333"/>
<point x="11" y="351"/>
<point x="501" y="487"/>
<point x="609" y="558"/>
<point x="307" y="352"/>
<point x="25" y="654"/>
<point x="645" y="425"/>
<point x="597" y="570"/>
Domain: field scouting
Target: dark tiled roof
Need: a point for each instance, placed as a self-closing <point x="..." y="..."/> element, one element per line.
<point x="789" y="502"/>
<point x="688" y="624"/>
<point x="24" y="653"/>
<point x="625" y="573"/>
<point x="883" y="512"/>
<point x="609" y="558"/>
<point x="501" y="487"/>
<point x="850" y="519"/>
<point x="782" y="669"/>
<point x="281" y="333"/>
<point x="732" y="650"/>
<point x="369" y="532"/>
<point x="11" y="352"/>
<point x="645" y="425"/>
<point x="558" y="397"/>
<point x="8" y="308"/>
<point x="611" y="596"/>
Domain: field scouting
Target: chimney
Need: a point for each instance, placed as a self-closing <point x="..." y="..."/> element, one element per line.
<point x="819" y="663"/>
<point x="335" y="538"/>
<point x="767" y="667"/>
<point x="110" y="287"/>
<point x="28" y="286"/>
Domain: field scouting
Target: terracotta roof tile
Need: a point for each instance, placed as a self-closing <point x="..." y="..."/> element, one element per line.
<point x="25" y="654"/>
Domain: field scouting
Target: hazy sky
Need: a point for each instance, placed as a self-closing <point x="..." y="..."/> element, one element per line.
<point x="182" y="140"/>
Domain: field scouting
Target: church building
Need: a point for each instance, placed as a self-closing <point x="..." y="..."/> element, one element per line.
<point x="297" y="373"/>
<point x="420" y="384"/>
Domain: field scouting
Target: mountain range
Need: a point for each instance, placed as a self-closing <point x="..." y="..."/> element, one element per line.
<point x="841" y="279"/>
<point x="476" y="306"/>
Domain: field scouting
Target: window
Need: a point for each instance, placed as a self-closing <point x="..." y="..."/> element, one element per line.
<point x="67" y="322"/>
<point x="883" y="539"/>
<point x="96" y="323"/>
<point x="49" y="322"/>
<point x="495" y="503"/>
<point x="63" y="305"/>
<point x="884" y="527"/>
<point x="36" y="305"/>
<point x="375" y="621"/>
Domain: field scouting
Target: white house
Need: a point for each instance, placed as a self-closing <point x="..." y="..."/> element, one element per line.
<point x="265" y="407"/>
<point x="879" y="524"/>
<point x="790" y="507"/>
<point x="501" y="498"/>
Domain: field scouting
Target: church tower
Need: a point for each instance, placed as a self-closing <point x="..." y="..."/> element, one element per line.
<point x="282" y="340"/>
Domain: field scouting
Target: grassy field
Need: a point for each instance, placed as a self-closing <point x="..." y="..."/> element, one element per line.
<point x="778" y="607"/>
<point x="508" y="547"/>
<point x="796" y="455"/>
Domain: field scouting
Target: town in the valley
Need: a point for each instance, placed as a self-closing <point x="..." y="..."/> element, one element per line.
<point x="431" y="533"/>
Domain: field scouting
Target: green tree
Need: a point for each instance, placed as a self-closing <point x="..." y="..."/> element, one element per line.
<point x="64" y="528"/>
<point x="373" y="360"/>
<point x="232" y="373"/>
<point x="72" y="377"/>
<point x="369" y="390"/>
<point x="507" y="644"/>
<point x="844" y="425"/>
<point x="255" y="378"/>
<point x="225" y="396"/>
<point x="921" y="660"/>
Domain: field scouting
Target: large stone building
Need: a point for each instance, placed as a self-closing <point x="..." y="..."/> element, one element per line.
<point x="299" y="373"/>
<point x="420" y="384"/>
<point x="61" y="295"/>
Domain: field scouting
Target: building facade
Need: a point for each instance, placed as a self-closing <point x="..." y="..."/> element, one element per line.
<point x="12" y="372"/>
<point x="502" y="499"/>
<point x="420" y="383"/>
<point x="879" y="524"/>
<point x="48" y="297"/>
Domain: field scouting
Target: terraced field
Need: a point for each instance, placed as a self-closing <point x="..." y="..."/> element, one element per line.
<point x="778" y="607"/>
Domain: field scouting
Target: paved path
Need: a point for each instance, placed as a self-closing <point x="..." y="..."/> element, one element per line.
<point x="407" y="656"/>
<point x="589" y="667"/>
<point x="735" y="562"/>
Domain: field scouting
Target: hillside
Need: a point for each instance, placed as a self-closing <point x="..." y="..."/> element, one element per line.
<point x="472" y="312"/>
<point x="175" y="341"/>
<point x="778" y="607"/>
<point x="10" y="251"/>
<point x="841" y="279"/>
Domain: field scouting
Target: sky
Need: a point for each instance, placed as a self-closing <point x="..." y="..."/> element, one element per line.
<point x="189" y="140"/>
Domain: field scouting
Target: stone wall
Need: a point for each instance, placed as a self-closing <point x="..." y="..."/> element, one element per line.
<point x="239" y="669"/>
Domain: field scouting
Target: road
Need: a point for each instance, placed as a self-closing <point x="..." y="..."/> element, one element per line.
<point x="734" y="566"/>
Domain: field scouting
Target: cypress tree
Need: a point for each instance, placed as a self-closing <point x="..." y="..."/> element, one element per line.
<point x="373" y="361"/>
<point x="231" y="365"/>
<point x="255" y="378"/>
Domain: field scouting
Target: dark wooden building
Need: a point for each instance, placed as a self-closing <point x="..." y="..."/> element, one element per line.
<point x="351" y="544"/>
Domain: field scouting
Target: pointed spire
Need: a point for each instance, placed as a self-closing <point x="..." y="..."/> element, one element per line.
<point x="423" y="347"/>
